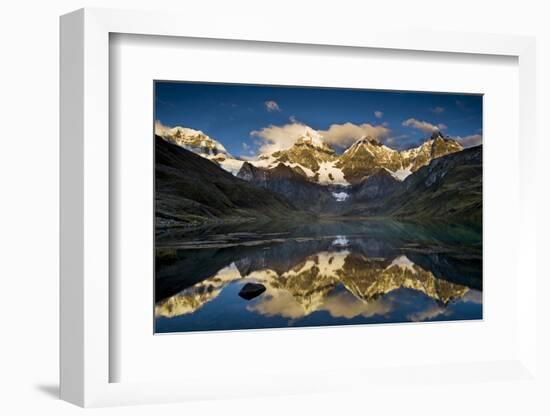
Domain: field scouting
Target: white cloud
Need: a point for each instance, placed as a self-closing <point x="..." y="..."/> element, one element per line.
<point x="274" y="138"/>
<point x="272" y="106"/>
<point x="437" y="110"/>
<point x="250" y="157"/>
<point x="245" y="146"/>
<point x="431" y="312"/>
<point x="339" y="305"/>
<point x="378" y="114"/>
<point x="293" y="119"/>
<point x="423" y="126"/>
<point x="343" y="135"/>
<point x="470" y="141"/>
<point x="160" y="128"/>
<point x="345" y="305"/>
<point x="474" y="296"/>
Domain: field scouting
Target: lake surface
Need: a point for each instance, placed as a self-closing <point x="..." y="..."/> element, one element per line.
<point x="317" y="274"/>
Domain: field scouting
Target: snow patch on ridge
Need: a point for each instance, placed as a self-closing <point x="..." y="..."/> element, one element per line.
<point x="307" y="171"/>
<point x="328" y="169"/>
<point x="264" y="162"/>
<point x="340" y="196"/>
<point x="403" y="263"/>
<point x="231" y="165"/>
<point x="341" y="241"/>
<point x="400" y="174"/>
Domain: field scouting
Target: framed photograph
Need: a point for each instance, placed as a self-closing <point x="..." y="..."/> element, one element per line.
<point x="315" y="206"/>
<point x="248" y="215"/>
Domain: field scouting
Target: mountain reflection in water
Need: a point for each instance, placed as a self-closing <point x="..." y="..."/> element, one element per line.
<point x="316" y="275"/>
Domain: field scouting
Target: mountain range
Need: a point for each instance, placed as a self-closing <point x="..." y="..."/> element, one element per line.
<point x="449" y="187"/>
<point x="314" y="159"/>
<point x="199" y="182"/>
<point x="192" y="191"/>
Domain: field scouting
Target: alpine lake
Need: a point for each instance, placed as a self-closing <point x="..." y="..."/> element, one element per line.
<point x="328" y="272"/>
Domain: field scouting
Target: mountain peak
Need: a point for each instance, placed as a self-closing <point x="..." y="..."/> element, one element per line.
<point x="370" y="144"/>
<point x="184" y="131"/>
<point x="248" y="171"/>
<point x="366" y="140"/>
<point x="437" y="135"/>
<point x="194" y="140"/>
<point x="370" y="140"/>
<point x="314" y="139"/>
<point x="284" y="171"/>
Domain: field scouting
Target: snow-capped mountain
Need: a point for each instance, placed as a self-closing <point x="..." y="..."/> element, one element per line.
<point x="310" y="156"/>
<point x="317" y="161"/>
<point x="436" y="146"/>
<point x="291" y="183"/>
<point x="198" y="142"/>
<point x="193" y="140"/>
<point x="314" y="159"/>
<point x="366" y="157"/>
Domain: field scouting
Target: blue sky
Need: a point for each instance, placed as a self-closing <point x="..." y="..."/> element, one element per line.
<point x="248" y="118"/>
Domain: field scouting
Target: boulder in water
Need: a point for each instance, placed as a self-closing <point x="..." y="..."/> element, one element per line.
<point x="251" y="290"/>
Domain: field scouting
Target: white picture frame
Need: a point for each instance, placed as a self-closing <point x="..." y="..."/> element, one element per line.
<point x="85" y="210"/>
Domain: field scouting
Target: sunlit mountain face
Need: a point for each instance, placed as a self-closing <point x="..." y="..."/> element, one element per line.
<point x="328" y="274"/>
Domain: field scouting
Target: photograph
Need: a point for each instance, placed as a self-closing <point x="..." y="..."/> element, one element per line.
<point x="233" y="207"/>
<point x="292" y="206"/>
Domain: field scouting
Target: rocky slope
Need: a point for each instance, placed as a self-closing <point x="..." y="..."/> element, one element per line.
<point x="191" y="191"/>
<point x="449" y="188"/>
<point x="366" y="157"/>
<point x="194" y="140"/>
<point x="201" y="144"/>
<point x="436" y="146"/>
<point x="375" y="188"/>
<point x="291" y="184"/>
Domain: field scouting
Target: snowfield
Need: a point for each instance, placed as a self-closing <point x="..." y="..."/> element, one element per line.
<point x="328" y="170"/>
<point x="340" y="241"/>
<point x="231" y="165"/>
<point x="403" y="263"/>
<point x="400" y="174"/>
<point x="340" y="196"/>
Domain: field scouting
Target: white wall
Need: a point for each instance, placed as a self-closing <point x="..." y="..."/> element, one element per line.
<point x="29" y="184"/>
